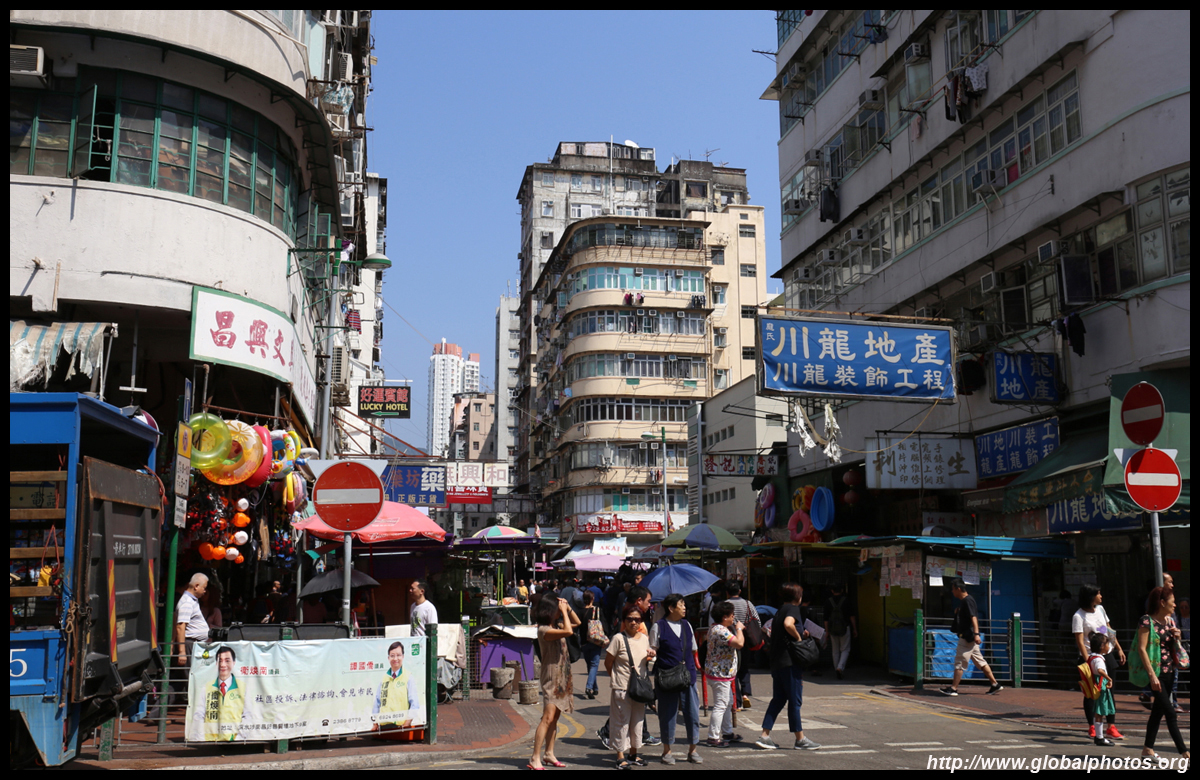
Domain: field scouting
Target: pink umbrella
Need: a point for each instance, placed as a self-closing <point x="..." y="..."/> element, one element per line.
<point x="395" y="521"/>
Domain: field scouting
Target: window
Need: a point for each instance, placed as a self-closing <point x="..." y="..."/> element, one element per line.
<point x="696" y="189"/>
<point x="1165" y="248"/>
<point x="919" y="79"/>
<point x="475" y="427"/>
<point x="719" y="340"/>
<point x="547" y="208"/>
<point x="596" y="184"/>
<point x="728" y="198"/>
<point x="963" y="36"/>
<point x="1062" y="110"/>
<point x="748" y="270"/>
<point x="1032" y="138"/>
<point x="478" y="409"/>
<point x="514" y="355"/>
<point x="746" y="231"/>
<point x="718" y="257"/>
<point x="690" y="282"/>
<point x="747" y="353"/>
<point x="576" y="181"/>
<point x="718" y="294"/>
<point x="748" y="312"/>
<point x="547" y="178"/>
<point x="547" y="240"/>
<point x="721" y="378"/>
<point x="475" y="446"/>
<point x="775" y="420"/>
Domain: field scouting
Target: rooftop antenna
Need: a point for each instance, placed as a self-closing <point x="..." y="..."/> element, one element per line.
<point x="709" y="153"/>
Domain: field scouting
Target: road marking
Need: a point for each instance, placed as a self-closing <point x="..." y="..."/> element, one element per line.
<point x="1012" y="747"/>
<point x="989" y="741"/>
<point x="847" y="752"/>
<point x="812" y="723"/>
<point x="574" y="724"/>
<point x="834" y="747"/>
<point x="902" y="744"/>
<point x="928" y="710"/>
<point x="928" y="750"/>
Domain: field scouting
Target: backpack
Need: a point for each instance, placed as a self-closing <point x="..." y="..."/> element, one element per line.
<point x="1088" y="682"/>
<point x="837" y="618"/>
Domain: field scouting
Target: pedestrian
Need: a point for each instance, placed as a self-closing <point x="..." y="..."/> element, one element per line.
<point x="190" y="625"/>
<point x="1090" y="619"/>
<point x="1103" y="701"/>
<point x="714" y="595"/>
<point x="1163" y="668"/>
<point x="674" y="642"/>
<point x="522" y="592"/>
<point x="745" y="613"/>
<point x="555" y="622"/>
<point x="421" y="612"/>
<point x="1147" y="697"/>
<point x="592" y="651"/>
<point x="966" y="626"/>
<point x="787" y="679"/>
<point x="634" y="594"/>
<point x="628" y="651"/>
<point x="725" y="637"/>
<point x="841" y="623"/>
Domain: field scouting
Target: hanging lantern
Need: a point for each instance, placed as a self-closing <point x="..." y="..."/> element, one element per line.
<point x="851" y="497"/>
<point x="852" y="478"/>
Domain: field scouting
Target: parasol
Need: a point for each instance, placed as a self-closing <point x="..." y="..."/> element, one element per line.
<point x="704" y="537"/>
<point x="334" y="580"/>
<point x="395" y="521"/>
<point x="499" y="532"/>
<point x="682" y="578"/>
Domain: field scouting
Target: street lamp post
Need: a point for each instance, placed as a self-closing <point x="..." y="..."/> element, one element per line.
<point x="649" y="436"/>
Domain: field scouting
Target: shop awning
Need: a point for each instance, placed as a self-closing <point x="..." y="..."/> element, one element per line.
<point x="34" y="350"/>
<point x="1075" y="469"/>
<point x="990" y="546"/>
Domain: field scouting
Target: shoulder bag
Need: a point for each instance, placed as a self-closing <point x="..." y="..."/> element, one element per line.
<point x="640" y="689"/>
<point x="753" y="632"/>
<point x="803" y="653"/>
<point x="595" y="631"/>
<point x="1138" y="674"/>
<point x="675" y="678"/>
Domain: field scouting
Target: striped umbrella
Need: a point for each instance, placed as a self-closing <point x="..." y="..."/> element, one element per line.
<point x="499" y="532"/>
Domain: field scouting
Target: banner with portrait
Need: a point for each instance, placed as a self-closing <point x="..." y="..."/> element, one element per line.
<point x="251" y="691"/>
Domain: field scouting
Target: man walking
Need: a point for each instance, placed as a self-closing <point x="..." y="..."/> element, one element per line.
<point x="966" y="626"/>
<point x="744" y="613"/>
<point x="421" y="613"/>
<point x="840" y="625"/>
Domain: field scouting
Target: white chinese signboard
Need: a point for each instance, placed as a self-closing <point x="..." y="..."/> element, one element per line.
<point x="741" y="465"/>
<point x="477" y="474"/>
<point x="236" y="331"/>
<point x="897" y="463"/>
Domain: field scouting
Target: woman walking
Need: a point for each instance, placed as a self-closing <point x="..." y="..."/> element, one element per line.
<point x="788" y="684"/>
<point x="724" y="639"/>
<point x="628" y="651"/>
<point x="1162" y="668"/>
<point x="1090" y="619"/>
<point x="555" y="622"/>
<point x="675" y="644"/>
<point x="592" y="652"/>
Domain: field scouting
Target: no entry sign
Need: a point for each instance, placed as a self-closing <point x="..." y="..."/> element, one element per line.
<point x="348" y="496"/>
<point x="1142" y="413"/>
<point x="1152" y="479"/>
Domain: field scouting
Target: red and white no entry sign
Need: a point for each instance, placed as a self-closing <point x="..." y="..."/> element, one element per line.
<point x="1142" y="413"/>
<point x="348" y="496"/>
<point x="1153" y="480"/>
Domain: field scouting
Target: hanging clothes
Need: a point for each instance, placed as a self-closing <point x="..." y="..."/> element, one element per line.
<point x="951" y="104"/>
<point x="1075" y="333"/>
<point x="977" y="77"/>
<point x="829" y="205"/>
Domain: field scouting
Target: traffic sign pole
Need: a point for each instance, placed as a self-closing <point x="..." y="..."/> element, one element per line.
<point x="346" y="581"/>
<point x="1156" y="544"/>
<point x="348" y="496"/>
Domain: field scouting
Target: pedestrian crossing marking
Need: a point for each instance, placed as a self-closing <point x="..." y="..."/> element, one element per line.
<point x="902" y="744"/>
<point x="928" y="749"/>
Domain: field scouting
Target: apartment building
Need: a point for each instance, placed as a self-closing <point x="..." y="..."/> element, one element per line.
<point x="508" y="358"/>
<point x="637" y="319"/>
<point x="1024" y="177"/>
<point x="449" y="375"/>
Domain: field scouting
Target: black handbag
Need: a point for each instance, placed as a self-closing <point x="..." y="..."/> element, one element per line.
<point x="640" y="689"/>
<point x="675" y="678"/>
<point x="803" y="653"/>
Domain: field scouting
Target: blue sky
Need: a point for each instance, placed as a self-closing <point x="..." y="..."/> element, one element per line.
<point x="462" y="102"/>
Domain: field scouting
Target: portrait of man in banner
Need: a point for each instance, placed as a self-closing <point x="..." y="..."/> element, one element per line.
<point x="398" y="697"/>
<point x="224" y="701"/>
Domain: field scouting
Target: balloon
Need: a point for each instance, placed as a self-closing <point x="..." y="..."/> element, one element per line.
<point x="245" y="456"/>
<point x="211" y="440"/>
<point x="205" y="549"/>
<point x="243" y="505"/>
<point x="241" y="537"/>
<point x="218" y="552"/>
<point x="240" y="559"/>
<point x="241" y="520"/>
<point x="231" y="554"/>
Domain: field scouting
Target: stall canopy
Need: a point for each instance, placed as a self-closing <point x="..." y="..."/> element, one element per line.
<point x="395" y="521"/>
<point x="987" y="546"/>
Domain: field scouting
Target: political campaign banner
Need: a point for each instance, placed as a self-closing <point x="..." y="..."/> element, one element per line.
<point x="252" y="691"/>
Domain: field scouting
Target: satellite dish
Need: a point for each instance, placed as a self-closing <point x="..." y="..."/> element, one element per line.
<point x="631" y="143"/>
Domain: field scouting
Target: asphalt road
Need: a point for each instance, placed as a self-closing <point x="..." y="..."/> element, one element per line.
<point x="857" y="729"/>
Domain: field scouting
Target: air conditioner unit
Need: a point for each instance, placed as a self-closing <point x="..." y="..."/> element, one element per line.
<point x="641" y="445"/>
<point x="916" y="52"/>
<point x="26" y="66"/>
<point x="792" y="207"/>
<point x="987" y="283"/>
<point x="921" y="312"/>
<point x="655" y="491"/>
<point x="681" y="313"/>
<point x="722" y="331"/>
<point x="653" y="445"/>
<point x="672" y="357"/>
<point x="812" y="158"/>
<point x="344" y="64"/>
<point x="638" y="271"/>
<point x="630" y="355"/>
<point x="979" y="334"/>
<point x="339" y="367"/>
<point x="1048" y="251"/>
<point x="988" y="180"/>
<point x="679" y="273"/>
<point x="624" y="491"/>
<point x="827" y="257"/>
<point x="605" y="211"/>
<point x="855" y="237"/>
<point x="871" y="100"/>
<point x="654" y="312"/>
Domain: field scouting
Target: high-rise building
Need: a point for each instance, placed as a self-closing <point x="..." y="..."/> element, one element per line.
<point x="470" y="380"/>
<point x="508" y="357"/>
<point x="635" y="318"/>
<point x="449" y="375"/>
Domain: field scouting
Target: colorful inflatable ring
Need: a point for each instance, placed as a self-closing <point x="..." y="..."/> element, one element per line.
<point x="766" y="501"/>
<point x="263" y="472"/>
<point x="283" y="453"/>
<point x="297" y="445"/>
<point x="211" y="440"/>
<point x="244" y="458"/>
<point x="806" y="532"/>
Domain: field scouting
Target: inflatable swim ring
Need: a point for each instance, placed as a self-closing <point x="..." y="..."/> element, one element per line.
<point x="211" y="440"/>
<point x="800" y="528"/>
<point x="263" y="472"/>
<point x="244" y="457"/>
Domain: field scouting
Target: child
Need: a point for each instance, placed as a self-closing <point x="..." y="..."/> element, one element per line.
<point x="1104" y="701"/>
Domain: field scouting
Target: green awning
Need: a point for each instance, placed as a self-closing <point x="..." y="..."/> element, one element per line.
<point x="1175" y="386"/>
<point x="1075" y="469"/>
<point x="1119" y="501"/>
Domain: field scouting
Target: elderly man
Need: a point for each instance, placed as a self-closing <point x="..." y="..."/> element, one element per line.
<point x="190" y="625"/>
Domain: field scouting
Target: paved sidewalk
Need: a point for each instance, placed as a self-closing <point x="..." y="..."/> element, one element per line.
<point x="478" y="725"/>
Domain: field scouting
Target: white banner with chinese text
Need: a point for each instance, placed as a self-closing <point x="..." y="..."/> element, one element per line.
<point x="476" y="474"/>
<point x="896" y="463"/>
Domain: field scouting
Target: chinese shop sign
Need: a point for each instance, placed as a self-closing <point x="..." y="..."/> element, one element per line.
<point x="1013" y="450"/>
<point x="829" y="358"/>
<point x="477" y="474"/>
<point x="896" y="463"/>
<point x="415" y="485"/>
<point x="236" y="331"/>
<point x="1024" y="378"/>
<point x="384" y="402"/>
<point x="469" y="495"/>
<point x="741" y="465"/>
<point x="1088" y="512"/>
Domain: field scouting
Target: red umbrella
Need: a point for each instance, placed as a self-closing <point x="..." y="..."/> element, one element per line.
<point x="395" y="521"/>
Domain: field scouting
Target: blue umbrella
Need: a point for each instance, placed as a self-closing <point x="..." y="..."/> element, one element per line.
<point x="682" y="578"/>
<point x="703" y="536"/>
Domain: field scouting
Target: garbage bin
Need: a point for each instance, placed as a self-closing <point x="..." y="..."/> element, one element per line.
<point x="502" y="682"/>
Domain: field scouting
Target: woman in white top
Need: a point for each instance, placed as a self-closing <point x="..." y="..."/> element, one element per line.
<point x="1090" y="619"/>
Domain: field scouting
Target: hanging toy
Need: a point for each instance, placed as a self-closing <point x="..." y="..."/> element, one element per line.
<point x="263" y="472"/>
<point x="283" y="453"/>
<point x="231" y="554"/>
<point x="241" y="520"/>
<point x="800" y="528"/>
<point x="243" y="505"/>
<point x="205" y="549"/>
<point x="241" y="537"/>
<point x="218" y="552"/>
<point x="211" y="440"/>
<point x="240" y="559"/>
<point x="306" y="454"/>
<point x="245" y="456"/>
<point x="766" y="504"/>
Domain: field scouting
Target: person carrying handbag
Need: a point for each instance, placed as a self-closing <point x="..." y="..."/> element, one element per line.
<point x="597" y="640"/>
<point x="786" y="673"/>
<point x="628" y="664"/>
<point x="1158" y="658"/>
<point x="674" y="642"/>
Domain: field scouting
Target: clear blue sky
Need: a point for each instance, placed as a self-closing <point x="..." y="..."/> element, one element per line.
<point x="463" y="101"/>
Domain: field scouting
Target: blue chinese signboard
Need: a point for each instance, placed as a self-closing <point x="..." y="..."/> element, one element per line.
<point x="415" y="485"/>
<point x="829" y="358"/>
<point x="1012" y="450"/>
<point x="1088" y="512"/>
<point x="1024" y="378"/>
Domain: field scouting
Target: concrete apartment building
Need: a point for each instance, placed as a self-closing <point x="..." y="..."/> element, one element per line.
<point x="1023" y="175"/>
<point x="508" y="359"/>
<point x="474" y="427"/>
<point x="636" y="319"/>
<point x="449" y="375"/>
<point x="179" y="180"/>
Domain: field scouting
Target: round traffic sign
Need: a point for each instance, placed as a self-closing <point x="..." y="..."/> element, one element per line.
<point x="1142" y="413"/>
<point x="348" y="496"/>
<point x="1153" y="480"/>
